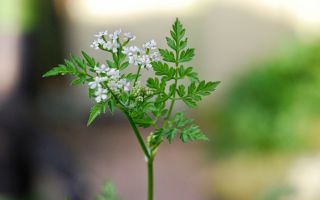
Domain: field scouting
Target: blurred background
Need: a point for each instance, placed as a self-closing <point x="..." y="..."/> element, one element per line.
<point x="263" y="121"/>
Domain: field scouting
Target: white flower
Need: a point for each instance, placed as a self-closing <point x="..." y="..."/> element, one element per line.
<point x="113" y="73"/>
<point x="152" y="45"/>
<point x="155" y="56"/>
<point x="114" y="36"/>
<point x="96" y="83"/>
<point x="101" y="94"/>
<point x="126" y="87"/>
<point x="95" y="45"/>
<point x="102" y="69"/>
<point x="113" y="85"/>
<point x="145" y="61"/>
<point x="100" y="34"/>
<point x="129" y="36"/>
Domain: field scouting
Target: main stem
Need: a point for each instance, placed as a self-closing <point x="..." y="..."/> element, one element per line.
<point x="150" y="178"/>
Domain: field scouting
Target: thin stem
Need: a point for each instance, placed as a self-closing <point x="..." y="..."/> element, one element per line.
<point x="137" y="134"/>
<point x="137" y="76"/>
<point x="175" y="88"/>
<point x="133" y="125"/>
<point x="150" y="178"/>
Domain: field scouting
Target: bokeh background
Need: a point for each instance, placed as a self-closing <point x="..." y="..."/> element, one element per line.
<point x="263" y="121"/>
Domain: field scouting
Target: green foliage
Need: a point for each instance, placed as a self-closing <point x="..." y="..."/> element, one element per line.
<point x="60" y="70"/>
<point x="183" y="126"/>
<point x="108" y="192"/>
<point x="95" y="111"/>
<point x="274" y="106"/>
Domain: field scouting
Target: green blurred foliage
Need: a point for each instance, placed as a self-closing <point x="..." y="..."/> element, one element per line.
<point x="108" y="192"/>
<point x="278" y="192"/>
<point x="273" y="107"/>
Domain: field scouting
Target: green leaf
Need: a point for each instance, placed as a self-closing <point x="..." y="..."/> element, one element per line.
<point x="89" y="59"/>
<point x="181" y="90"/>
<point x="145" y="122"/>
<point x="178" y="30"/>
<point x="169" y="133"/>
<point x="206" y="88"/>
<point x="124" y="65"/>
<point x="111" y="64"/>
<point x="163" y="69"/>
<point x="80" y="80"/>
<point x="181" y="120"/>
<point x="154" y="140"/>
<point x="111" y="105"/>
<point x="167" y="55"/>
<point x="188" y="72"/>
<point x="171" y="43"/>
<point x="172" y="89"/>
<point x="189" y="102"/>
<point x="131" y="76"/>
<point x="195" y="92"/>
<point x="192" y="133"/>
<point x="60" y="70"/>
<point x="186" y="55"/>
<point x="96" y="110"/>
<point x="183" y="44"/>
<point x="154" y="83"/>
<point x="78" y="61"/>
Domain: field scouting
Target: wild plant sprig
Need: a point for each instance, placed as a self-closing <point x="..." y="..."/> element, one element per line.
<point x="145" y="104"/>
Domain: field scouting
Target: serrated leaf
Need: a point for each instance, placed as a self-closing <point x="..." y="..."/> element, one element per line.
<point x="145" y="122"/>
<point x="80" y="80"/>
<point x="186" y="55"/>
<point x="111" y="105"/>
<point x="206" y="88"/>
<point x="189" y="102"/>
<point x="172" y="89"/>
<point x="183" y="44"/>
<point x="154" y="83"/>
<point x="124" y="65"/>
<point x="189" y="73"/>
<point x="167" y="55"/>
<point x="163" y="69"/>
<point x="111" y="64"/>
<point x="95" y="111"/>
<point x="181" y="90"/>
<point x="192" y="133"/>
<point x="181" y="120"/>
<point x="169" y="133"/>
<point x="60" y="70"/>
<point x="78" y="61"/>
<point x="89" y="59"/>
<point x="171" y="43"/>
<point x="196" y="92"/>
<point x="131" y="76"/>
<point x="178" y="30"/>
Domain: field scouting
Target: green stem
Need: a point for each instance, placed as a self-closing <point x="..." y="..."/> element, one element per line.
<point x="137" y="134"/>
<point x="150" y="178"/>
<point x="175" y="88"/>
<point x="133" y="125"/>
<point x="137" y="76"/>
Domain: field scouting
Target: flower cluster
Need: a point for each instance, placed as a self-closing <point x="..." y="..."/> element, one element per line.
<point x="111" y="42"/>
<point x="142" y="57"/>
<point x="108" y="80"/>
<point x="140" y="92"/>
